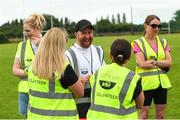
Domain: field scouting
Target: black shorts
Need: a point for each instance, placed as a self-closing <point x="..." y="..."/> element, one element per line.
<point x="159" y="96"/>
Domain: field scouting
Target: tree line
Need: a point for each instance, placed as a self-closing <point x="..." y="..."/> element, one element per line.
<point x="104" y="26"/>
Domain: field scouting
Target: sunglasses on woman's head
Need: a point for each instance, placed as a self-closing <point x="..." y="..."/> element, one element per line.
<point x="155" y="25"/>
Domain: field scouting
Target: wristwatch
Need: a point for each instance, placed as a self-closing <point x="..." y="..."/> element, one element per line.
<point x="155" y="62"/>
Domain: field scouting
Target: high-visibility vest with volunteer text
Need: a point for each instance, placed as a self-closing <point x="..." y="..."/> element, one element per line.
<point x="26" y="53"/>
<point x="49" y="100"/>
<point x="82" y="66"/>
<point x="152" y="78"/>
<point x="112" y="93"/>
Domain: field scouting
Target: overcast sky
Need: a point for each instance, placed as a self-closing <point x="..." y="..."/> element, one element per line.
<point x="89" y="9"/>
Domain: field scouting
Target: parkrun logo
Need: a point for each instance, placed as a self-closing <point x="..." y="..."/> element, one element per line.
<point x="106" y="84"/>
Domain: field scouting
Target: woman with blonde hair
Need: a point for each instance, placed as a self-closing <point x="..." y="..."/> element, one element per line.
<point x="52" y="82"/>
<point x="26" y="50"/>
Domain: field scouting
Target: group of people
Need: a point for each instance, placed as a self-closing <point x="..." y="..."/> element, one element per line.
<point x="56" y="83"/>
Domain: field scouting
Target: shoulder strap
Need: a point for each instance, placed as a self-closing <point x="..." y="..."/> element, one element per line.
<point x="74" y="58"/>
<point x="23" y="48"/>
<point x="99" y="54"/>
<point x="162" y="42"/>
<point x="143" y="47"/>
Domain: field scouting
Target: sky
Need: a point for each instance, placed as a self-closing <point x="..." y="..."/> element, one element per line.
<point x="92" y="10"/>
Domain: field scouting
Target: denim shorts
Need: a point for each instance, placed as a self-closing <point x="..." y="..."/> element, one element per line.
<point x="23" y="103"/>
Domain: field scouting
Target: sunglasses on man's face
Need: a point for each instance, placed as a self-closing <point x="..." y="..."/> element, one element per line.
<point x="155" y="25"/>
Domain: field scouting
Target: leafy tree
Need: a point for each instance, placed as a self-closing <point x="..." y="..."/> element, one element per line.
<point x="3" y="38"/>
<point x="113" y="20"/>
<point x="66" y="22"/>
<point x="118" y="19"/>
<point x="124" y="18"/>
<point x="107" y="17"/>
<point x="61" y="22"/>
<point x="175" y="22"/>
<point x="103" y="25"/>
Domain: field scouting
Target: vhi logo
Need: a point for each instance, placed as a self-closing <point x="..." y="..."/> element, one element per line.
<point x="106" y="84"/>
<point x="29" y="59"/>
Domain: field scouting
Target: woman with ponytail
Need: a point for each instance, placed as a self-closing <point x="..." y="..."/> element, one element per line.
<point x="116" y="91"/>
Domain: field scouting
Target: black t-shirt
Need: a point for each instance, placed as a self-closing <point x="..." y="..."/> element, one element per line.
<point x="69" y="77"/>
<point x="138" y="89"/>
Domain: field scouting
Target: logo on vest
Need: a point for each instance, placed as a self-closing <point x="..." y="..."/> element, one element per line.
<point x="29" y="60"/>
<point x="106" y="84"/>
<point x="153" y="58"/>
<point x="84" y="71"/>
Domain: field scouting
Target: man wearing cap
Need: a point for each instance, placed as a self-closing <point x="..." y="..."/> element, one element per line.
<point x="85" y="58"/>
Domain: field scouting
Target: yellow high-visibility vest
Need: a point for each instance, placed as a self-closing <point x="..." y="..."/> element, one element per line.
<point x="152" y="78"/>
<point x="27" y="54"/>
<point x="49" y="100"/>
<point x="112" y="93"/>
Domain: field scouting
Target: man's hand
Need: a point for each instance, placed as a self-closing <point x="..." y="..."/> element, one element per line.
<point x="85" y="79"/>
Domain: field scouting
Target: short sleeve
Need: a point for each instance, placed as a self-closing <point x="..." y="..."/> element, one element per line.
<point x="69" y="77"/>
<point x="17" y="55"/>
<point x="136" y="48"/>
<point x="138" y="89"/>
<point x="167" y="48"/>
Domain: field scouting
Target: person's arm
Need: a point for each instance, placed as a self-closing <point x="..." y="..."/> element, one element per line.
<point x="140" y="59"/>
<point x="17" y="71"/>
<point x="145" y="64"/>
<point x="165" y="63"/>
<point x="138" y="95"/>
<point x="71" y="81"/>
<point x="77" y="89"/>
<point x="139" y="100"/>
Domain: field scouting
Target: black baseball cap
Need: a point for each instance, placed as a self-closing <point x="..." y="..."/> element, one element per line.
<point x="83" y="24"/>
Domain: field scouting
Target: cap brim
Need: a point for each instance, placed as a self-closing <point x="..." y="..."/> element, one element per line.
<point x="86" y="27"/>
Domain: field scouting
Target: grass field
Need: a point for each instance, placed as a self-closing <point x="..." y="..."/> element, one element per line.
<point x="9" y="83"/>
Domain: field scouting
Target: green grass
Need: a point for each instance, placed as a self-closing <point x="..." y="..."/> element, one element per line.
<point x="9" y="83"/>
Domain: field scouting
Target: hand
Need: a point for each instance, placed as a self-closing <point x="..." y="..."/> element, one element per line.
<point x="36" y="40"/>
<point x="85" y="79"/>
<point x="152" y="64"/>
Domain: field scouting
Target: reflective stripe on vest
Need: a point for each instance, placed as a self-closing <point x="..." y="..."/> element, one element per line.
<point x="122" y="95"/>
<point x="52" y="95"/>
<point x="144" y="49"/>
<point x="53" y="112"/>
<point x="73" y="55"/>
<point x="74" y="59"/>
<point x="23" y="48"/>
<point x="76" y="69"/>
<point x="152" y="73"/>
<point x="83" y="100"/>
<point x="99" y="54"/>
